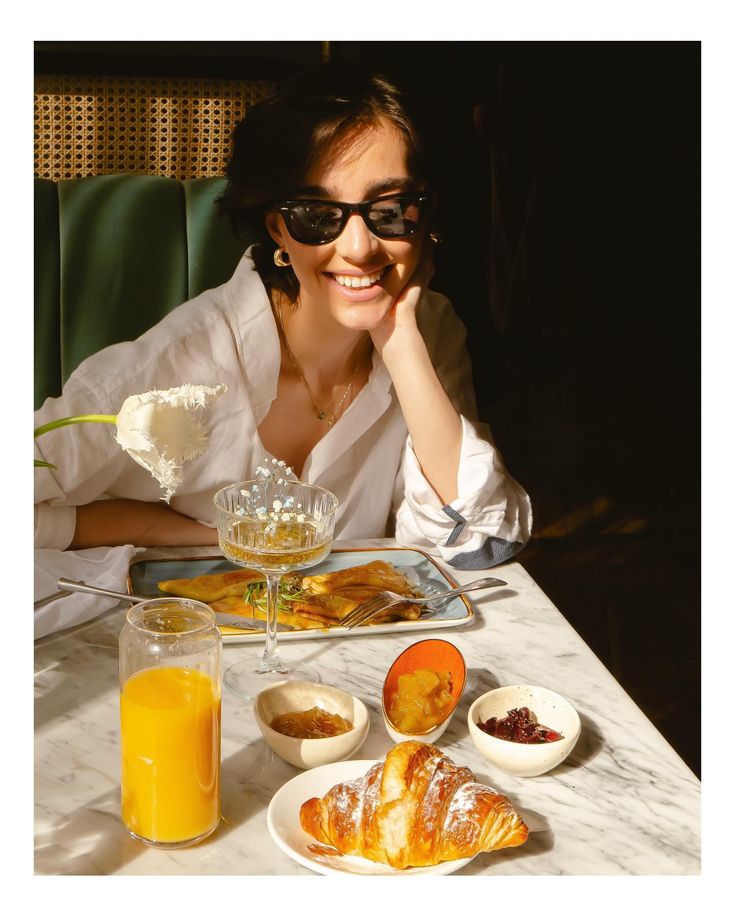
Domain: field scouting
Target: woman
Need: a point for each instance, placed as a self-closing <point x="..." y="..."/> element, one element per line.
<point x="336" y="357"/>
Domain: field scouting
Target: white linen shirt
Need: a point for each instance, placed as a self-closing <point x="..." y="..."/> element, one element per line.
<point x="229" y="335"/>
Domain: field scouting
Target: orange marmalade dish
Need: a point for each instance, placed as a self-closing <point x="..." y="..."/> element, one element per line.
<point x="422" y="701"/>
<point x="312" y="724"/>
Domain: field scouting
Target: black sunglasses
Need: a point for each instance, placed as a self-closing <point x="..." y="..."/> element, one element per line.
<point x="314" y="222"/>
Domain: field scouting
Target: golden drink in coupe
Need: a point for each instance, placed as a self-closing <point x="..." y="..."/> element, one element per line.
<point x="275" y="545"/>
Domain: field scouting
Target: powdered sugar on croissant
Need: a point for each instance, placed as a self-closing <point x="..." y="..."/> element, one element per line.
<point x="416" y="809"/>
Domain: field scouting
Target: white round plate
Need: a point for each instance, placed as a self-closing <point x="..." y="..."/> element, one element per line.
<point x="286" y="831"/>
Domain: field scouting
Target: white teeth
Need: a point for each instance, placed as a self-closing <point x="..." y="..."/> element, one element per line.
<point x="349" y="280"/>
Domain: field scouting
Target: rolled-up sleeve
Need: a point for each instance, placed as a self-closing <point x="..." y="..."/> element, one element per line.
<point x="490" y="520"/>
<point x="86" y="457"/>
<point x="54" y="526"/>
<point x="487" y="523"/>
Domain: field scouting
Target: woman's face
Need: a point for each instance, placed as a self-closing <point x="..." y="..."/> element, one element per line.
<point x="372" y="166"/>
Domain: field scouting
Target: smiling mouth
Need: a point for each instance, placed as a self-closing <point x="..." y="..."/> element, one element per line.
<point x="361" y="280"/>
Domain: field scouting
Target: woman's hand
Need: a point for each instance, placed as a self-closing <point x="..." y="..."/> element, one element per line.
<point x="399" y="325"/>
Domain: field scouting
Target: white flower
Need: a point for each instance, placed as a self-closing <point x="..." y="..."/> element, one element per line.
<point x="163" y="429"/>
<point x="160" y="430"/>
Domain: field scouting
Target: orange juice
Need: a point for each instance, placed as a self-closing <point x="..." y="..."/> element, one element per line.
<point x="170" y="739"/>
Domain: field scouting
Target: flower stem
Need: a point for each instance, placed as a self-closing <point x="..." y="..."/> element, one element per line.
<point x="78" y="419"/>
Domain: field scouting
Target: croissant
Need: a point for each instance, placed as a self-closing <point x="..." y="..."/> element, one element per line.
<point x="416" y="809"/>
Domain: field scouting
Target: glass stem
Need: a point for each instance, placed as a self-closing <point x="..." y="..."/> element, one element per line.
<point x="270" y="662"/>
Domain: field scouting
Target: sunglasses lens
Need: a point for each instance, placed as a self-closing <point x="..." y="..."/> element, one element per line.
<point x="314" y="222"/>
<point x="317" y="222"/>
<point x="394" y="217"/>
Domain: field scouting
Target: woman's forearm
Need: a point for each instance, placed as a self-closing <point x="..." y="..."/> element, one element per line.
<point x="433" y="423"/>
<point x="135" y="522"/>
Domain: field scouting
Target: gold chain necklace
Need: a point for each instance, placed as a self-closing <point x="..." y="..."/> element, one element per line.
<point x="321" y="413"/>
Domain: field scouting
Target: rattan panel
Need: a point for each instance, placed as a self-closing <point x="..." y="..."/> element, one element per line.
<point x="180" y="128"/>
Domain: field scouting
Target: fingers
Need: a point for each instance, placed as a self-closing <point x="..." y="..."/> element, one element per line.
<point x="424" y="270"/>
<point x="426" y="266"/>
<point x="419" y="281"/>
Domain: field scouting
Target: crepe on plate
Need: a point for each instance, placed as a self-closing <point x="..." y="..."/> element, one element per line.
<point x="317" y="601"/>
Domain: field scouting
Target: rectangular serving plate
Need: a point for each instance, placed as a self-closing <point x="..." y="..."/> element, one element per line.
<point x="144" y="577"/>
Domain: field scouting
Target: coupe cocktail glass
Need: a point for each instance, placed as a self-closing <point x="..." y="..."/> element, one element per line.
<point x="274" y="526"/>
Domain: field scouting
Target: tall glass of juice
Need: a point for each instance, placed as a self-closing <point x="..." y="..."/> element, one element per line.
<point x="170" y="691"/>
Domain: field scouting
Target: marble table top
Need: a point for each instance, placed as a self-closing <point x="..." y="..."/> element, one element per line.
<point x="624" y="802"/>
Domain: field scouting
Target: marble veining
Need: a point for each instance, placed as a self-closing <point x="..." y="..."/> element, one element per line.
<point x="622" y="803"/>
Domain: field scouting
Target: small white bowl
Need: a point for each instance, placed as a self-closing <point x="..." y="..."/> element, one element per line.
<point x="434" y="654"/>
<point x="524" y="759"/>
<point x="287" y="696"/>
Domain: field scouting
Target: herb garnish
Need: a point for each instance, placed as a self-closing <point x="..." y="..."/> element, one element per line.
<point x="289" y="590"/>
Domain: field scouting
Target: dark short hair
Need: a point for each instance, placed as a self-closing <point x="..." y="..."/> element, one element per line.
<point x="281" y="137"/>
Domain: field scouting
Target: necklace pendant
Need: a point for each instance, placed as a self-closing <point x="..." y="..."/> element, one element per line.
<point x="321" y="415"/>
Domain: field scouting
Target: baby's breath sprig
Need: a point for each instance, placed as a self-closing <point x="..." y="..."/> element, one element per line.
<point x="283" y="507"/>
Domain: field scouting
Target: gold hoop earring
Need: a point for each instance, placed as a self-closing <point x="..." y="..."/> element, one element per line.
<point x="281" y="258"/>
<point x="435" y="238"/>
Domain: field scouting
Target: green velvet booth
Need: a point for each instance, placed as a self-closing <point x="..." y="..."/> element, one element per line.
<point x="113" y="255"/>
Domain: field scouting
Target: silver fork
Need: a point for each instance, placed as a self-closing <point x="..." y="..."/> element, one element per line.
<point x="385" y="599"/>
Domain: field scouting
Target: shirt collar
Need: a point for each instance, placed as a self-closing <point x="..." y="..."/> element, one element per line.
<point x="260" y="349"/>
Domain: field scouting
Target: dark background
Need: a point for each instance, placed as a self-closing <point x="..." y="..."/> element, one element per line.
<point x="570" y="188"/>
